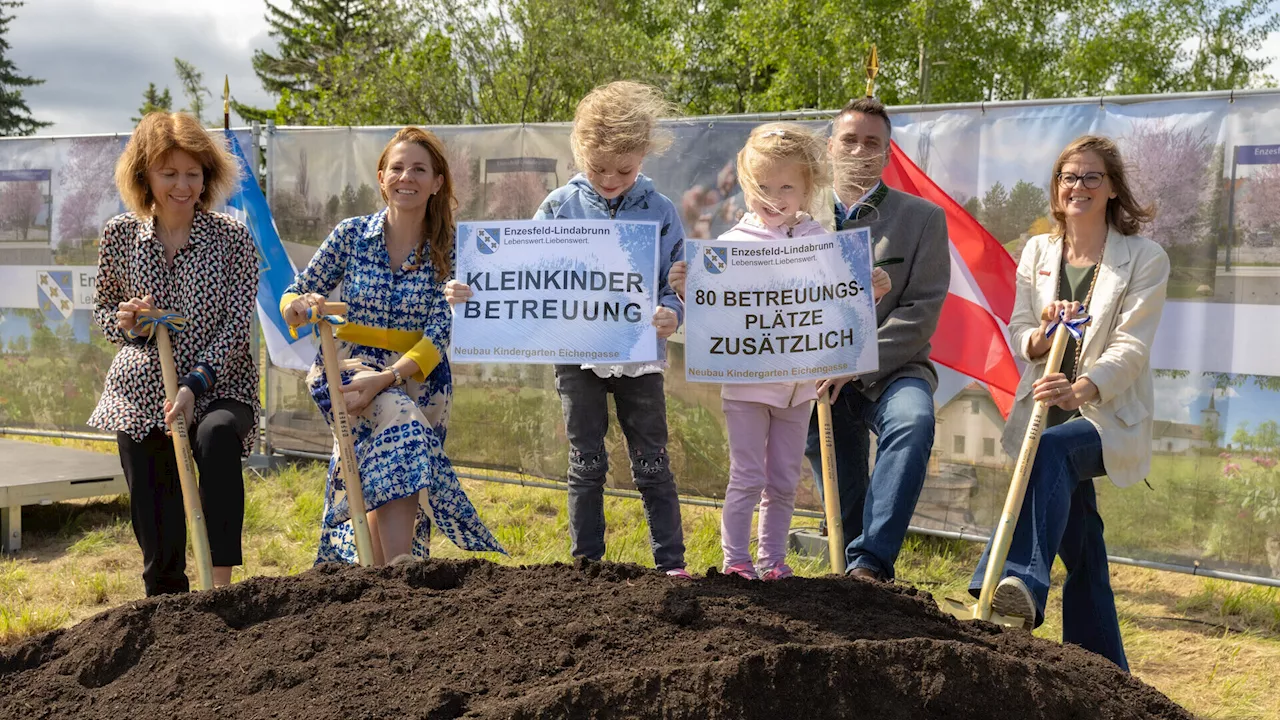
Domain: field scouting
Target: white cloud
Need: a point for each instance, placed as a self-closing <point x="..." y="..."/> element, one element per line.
<point x="97" y="56"/>
<point x="1175" y="396"/>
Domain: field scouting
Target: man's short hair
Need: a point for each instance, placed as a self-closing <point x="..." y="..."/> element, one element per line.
<point x="868" y="106"/>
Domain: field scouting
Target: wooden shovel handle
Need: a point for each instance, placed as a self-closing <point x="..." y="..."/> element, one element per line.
<point x="831" y="486"/>
<point x="347" y="464"/>
<point x="1018" y="485"/>
<point x="187" y="477"/>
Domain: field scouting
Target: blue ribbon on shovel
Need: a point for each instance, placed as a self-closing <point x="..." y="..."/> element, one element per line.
<point x="314" y="317"/>
<point x="1074" y="326"/>
<point x="175" y="322"/>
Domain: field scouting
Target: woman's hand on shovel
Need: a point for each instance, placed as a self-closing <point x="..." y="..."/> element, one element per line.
<point x="1057" y="390"/>
<point x="183" y="405"/>
<point x="127" y="311"/>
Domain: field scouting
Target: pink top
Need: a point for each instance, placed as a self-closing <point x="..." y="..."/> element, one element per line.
<point x="777" y="394"/>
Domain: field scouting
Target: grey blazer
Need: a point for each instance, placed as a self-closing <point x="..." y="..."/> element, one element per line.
<point x="914" y="229"/>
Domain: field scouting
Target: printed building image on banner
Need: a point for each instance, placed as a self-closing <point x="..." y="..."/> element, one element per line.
<point x="784" y="311"/>
<point x="557" y="292"/>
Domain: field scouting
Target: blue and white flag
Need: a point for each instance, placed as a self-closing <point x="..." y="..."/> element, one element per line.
<point x="275" y="269"/>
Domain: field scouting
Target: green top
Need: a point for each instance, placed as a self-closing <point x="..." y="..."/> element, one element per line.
<point x="1073" y="284"/>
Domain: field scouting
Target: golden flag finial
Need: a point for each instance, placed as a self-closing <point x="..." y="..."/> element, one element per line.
<point x="873" y="69"/>
<point x="226" y="94"/>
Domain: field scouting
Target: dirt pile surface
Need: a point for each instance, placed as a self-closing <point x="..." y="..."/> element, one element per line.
<point x="470" y="639"/>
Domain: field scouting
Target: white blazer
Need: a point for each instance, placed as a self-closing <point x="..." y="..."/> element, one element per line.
<point x="1125" y="310"/>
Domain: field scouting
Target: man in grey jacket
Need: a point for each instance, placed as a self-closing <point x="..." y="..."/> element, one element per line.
<point x="896" y="401"/>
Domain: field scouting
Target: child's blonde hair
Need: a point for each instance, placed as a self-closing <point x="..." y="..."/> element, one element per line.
<point x="785" y="142"/>
<point x="617" y="119"/>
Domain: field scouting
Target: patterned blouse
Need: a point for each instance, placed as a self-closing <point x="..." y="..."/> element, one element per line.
<point x="405" y="301"/>
<point x="213" y="283"/>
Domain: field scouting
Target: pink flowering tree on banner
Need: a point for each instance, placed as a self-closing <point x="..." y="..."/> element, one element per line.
<point x="464" y="189"/>
<point x="516" y="195"/>
<point x="86" y="187"/>
<point x="1172" y="168"/>
<point x="20" y="204"/>
<point x="1258" y="205"/>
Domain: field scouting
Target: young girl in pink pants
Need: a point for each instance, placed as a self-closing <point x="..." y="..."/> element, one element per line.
<point x="781" y="169"/>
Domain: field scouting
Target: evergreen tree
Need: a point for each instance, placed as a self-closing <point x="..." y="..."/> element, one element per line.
<point x="308" y="35"/>
<point x="152" y="100"/>
<point x="193" y="86"/>
<point x="15" y="116"/>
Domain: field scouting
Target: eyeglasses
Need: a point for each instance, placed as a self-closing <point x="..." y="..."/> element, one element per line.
<point x="1092" y="180"/>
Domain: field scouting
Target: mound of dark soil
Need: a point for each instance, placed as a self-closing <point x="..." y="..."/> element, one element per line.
<point x="453" y="639"/>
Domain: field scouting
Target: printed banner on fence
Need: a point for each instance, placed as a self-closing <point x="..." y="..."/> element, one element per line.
<point x="785" y="311"/>
<point x="557" y="291"/>
<point x="58" y="290"/>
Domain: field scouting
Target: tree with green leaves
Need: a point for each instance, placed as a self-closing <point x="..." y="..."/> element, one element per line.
<point x="1242" y="438"/>
<point x="1267" y="437"/>
<point x="1027" y="202"/>
<point x="1226" y="37"/>
<point x="533" y="60"/>
<point x="446" y="61"/>
<point x="153" y="100"/>
<point x="995" y="213"/>
<point x="15" y="116"/>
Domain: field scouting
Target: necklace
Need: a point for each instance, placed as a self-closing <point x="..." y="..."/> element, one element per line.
<point x="1088" y="299"/>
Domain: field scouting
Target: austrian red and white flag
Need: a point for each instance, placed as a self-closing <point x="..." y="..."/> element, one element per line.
<point x="972" y="336"/>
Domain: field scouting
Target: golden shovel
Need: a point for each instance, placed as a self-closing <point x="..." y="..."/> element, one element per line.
<point x="161" y="322"/>
<point x="830" y="485"/>
<point x="347" y="465"/>
<point x="981" y="610"/>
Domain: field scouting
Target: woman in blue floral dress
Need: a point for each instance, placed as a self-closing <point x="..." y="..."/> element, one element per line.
<point x="393" y="348"/>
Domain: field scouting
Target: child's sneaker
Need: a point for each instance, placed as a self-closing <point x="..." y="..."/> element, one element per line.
<point x="781" y="571"/>
<point x="679" y="574"/>
<point x="747" y="571"/>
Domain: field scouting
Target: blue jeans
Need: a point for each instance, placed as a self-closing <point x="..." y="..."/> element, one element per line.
<point x="642" y="414"/>
<point x="876" y="513"/>
<point x="1059" y="518"/>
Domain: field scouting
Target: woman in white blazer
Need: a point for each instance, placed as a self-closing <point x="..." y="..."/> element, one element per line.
<point x="1101" y="402"/>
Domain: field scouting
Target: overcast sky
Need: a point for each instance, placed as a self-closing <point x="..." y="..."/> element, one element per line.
<point x="97" y="56"/>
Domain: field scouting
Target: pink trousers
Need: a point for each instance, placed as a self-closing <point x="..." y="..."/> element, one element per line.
<point x="766" y="449"/>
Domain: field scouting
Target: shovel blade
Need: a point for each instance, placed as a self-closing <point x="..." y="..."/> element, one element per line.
<point x="960" y="610"/>
<point x="967" y="612"/>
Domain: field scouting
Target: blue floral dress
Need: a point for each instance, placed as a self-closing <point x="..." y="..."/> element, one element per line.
<point x="399" y="438"/>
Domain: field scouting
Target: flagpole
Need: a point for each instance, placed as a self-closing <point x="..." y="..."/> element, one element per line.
<point x="873" y="69"/>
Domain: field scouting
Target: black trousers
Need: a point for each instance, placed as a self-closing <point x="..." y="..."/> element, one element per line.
<point x="155" y="495"/>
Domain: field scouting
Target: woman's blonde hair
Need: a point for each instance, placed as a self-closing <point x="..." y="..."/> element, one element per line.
<point x="439" y="229"/>
<point x="774" y="143"/>
<point x="1123" y="211"/>
<point x="618" y="119"/>
<point x="158" y="135"/>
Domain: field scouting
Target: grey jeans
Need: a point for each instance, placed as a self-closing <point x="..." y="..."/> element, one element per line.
<point x="642" y="414"/>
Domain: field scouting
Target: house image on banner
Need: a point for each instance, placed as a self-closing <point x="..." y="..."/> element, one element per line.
<point x="968" y="430"/>
<point x="1172" y="438"/>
